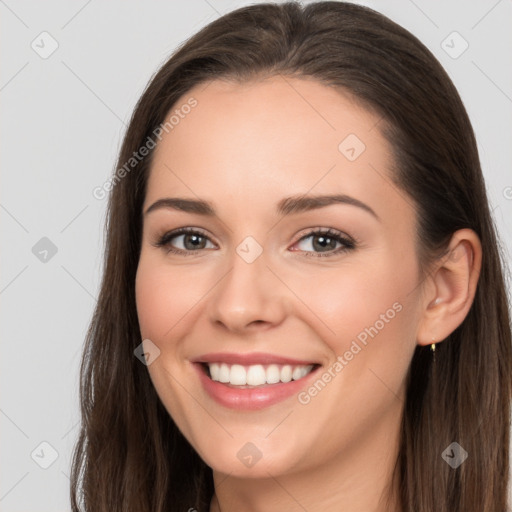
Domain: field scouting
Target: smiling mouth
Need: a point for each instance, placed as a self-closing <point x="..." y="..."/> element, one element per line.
<point x="257" y="375"/>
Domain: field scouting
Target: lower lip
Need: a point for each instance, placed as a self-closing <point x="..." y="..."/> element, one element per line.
<point x="250" y="398"/>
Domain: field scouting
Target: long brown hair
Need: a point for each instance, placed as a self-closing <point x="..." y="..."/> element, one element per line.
<point x="130" y="456"/>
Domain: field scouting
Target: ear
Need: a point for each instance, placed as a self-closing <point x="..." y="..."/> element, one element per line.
<point x="450" y="288"/>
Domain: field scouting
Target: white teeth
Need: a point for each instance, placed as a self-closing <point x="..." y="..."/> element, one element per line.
<point x="238" y="375"/>
<point x="215" y="371"/>
<point x="297" y="373"/>
<point x="257" y="374"/>
<point x="224" y="373"/>
<point x="273" y="374"/>
<point x="286" y="373"/>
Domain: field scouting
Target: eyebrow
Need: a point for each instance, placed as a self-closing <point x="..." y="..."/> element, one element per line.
<point x="287" y="206"/>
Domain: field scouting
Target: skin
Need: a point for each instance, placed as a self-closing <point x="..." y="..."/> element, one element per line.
<point x="244" y="148"/>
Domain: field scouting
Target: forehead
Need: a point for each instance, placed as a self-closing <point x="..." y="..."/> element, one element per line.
<point x="274" y="115"/>
<point x="259" y="139"/>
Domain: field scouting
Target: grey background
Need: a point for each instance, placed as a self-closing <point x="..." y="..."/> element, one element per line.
<point x="62" y="123"/>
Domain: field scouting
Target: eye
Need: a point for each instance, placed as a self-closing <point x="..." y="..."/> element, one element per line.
<point x="191" y="240"/>
<point x="324" y="241"/>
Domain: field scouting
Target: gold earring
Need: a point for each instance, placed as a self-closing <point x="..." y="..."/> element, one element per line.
<point x="433" y="349"/>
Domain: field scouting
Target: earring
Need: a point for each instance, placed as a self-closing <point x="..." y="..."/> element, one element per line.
<point x="433" y="349"/>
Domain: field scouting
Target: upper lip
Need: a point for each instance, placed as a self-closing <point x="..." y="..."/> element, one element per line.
<point x="249" y="359"/>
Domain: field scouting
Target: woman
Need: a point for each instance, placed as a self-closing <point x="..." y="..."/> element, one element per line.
<point x="303" y="305"/>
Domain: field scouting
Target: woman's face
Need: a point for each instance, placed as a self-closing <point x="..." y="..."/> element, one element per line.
<point x="257" y="290"/>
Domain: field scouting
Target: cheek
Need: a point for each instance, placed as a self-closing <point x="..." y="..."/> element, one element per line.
<point x="366" y="318"/>
<point x="346" y="301"/>
<point x="163" y="297"/>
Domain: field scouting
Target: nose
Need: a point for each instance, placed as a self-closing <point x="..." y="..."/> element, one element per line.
<point x="248" y="298"/>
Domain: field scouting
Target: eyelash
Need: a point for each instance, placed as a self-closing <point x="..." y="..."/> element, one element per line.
<point x="348" y="243"/>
